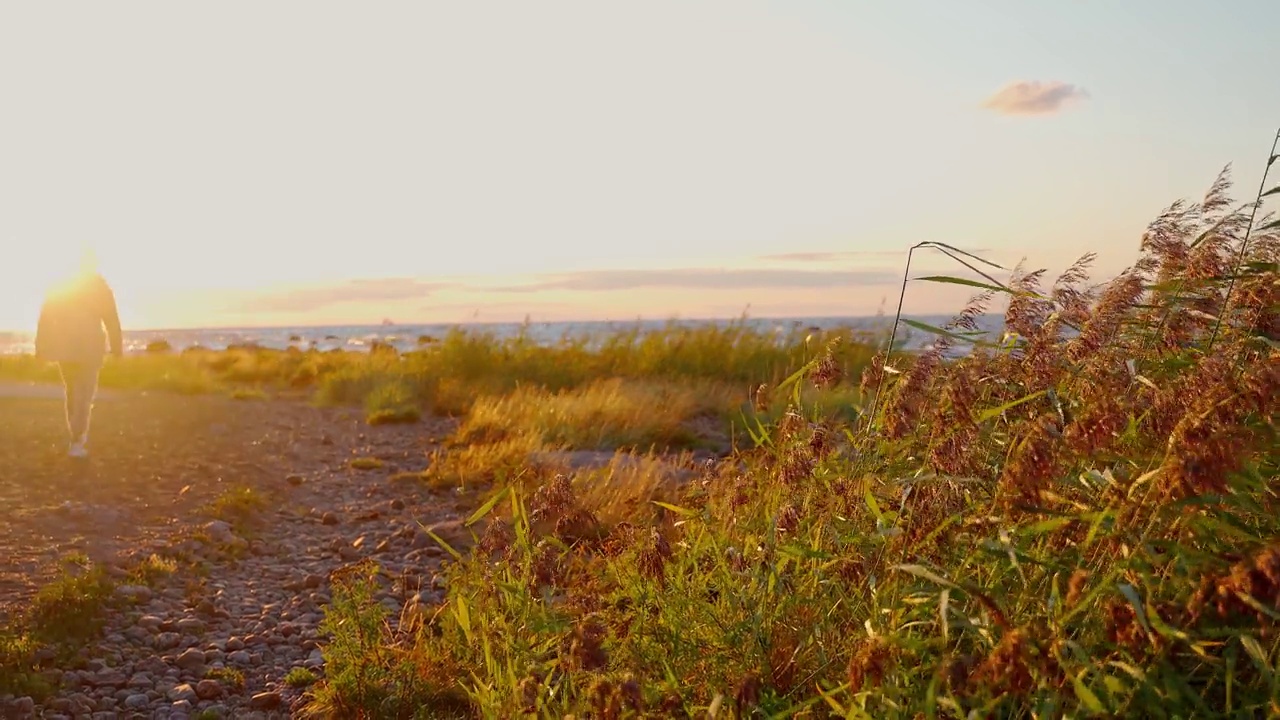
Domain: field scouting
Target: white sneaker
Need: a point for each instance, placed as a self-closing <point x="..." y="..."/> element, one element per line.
<point x="78" y="450"/>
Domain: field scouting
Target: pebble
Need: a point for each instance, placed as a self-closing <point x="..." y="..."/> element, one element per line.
<point x="208" y="689"/>
<point x="265" y="700"/>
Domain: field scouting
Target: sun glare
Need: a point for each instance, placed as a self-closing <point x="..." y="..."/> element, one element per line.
<point x="30" y="273"/>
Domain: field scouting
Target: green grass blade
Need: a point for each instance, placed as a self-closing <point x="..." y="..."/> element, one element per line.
<point x="926" y="327"/>
<point x="949" y="280"/>
<point x="487" y="506"/>
<point x="986" y="415"/>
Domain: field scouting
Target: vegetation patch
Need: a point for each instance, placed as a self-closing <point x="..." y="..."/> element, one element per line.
<point x="392" y="403"/>
<point x="1076" y="519"/>
<point x="607" y="414"/>
<point x="238" y="506"/>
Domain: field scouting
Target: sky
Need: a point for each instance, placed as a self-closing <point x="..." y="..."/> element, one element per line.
<point x="300" y="163"/>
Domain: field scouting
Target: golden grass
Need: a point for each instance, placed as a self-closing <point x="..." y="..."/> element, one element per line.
<point x="447" y="377"/>
<point x="625" y="489"/>
<point x="605" y="414"/>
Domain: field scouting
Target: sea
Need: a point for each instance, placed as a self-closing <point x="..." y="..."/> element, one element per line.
<point x="359" y="338"/>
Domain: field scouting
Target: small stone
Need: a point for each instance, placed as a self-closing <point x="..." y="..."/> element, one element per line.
<point x="183" y="692"/>
<point x="150" y="622"/>
<point x="240" y="657"/>
<point x="329" y="518"/>
<point x="137" y="701"/>
<point x="46" y="653"/>
<point x="190" y="659"/>
<point x="25" y="706"/>
<point x="295" y="480"/>
<point x="265" y="701"/>
<point x="218" y="529"/>
<point x="181" y="706"/>
<point x="109" y="678"/>
<point x="208" y="689"/>
<point x="191" y="625"/>
<point x="397" y="504"/>
<point x="235" y="644"/>
<point x="167" y="641"/>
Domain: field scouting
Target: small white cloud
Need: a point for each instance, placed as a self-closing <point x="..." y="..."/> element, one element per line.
<point x="1032" y="97"/>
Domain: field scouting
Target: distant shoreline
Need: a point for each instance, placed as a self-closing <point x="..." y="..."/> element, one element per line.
<point x="407" y="336"/>
<point x="825" y="319"/>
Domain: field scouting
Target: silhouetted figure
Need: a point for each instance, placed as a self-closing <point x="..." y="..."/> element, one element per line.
<point x="77" y="320"/>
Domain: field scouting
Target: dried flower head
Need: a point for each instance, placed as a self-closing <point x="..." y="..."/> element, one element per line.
<point x="579" y="525"/>
<point x="1007" y="670"/>
<point x="747" y="695"/>
<point x="654" y="553"/>
<point x="1034" y="463"/>
<point x="760" y="398"/>
<point x="788" y="520"/>
<point x="552" y="499"/>
<point x="869" y="662"/>
<point x="497" y="538"/>
<point x="586" y="646"/>
<point x="1076" y="586"/>
<point x="828" y="372"/>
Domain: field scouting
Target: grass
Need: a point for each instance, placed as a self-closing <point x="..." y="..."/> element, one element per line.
<point x="300" y="677"/>
<point x="232" y="678"/>
<point x="1077" y="520"/>
<point x="602" y="415"/>
<point x="237" y="506"/>
<point x="447" y="377"/>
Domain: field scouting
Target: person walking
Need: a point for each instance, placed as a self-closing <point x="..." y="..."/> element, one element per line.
<point x="78" y="321"/>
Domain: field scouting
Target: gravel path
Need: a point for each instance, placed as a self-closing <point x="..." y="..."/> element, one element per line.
<point x="216" y="643"/>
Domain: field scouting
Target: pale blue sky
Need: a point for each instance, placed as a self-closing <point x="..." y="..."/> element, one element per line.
<point x="311" y="162"/>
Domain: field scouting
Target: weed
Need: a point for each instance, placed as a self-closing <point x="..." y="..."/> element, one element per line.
<point x="237" y="506"/>
<point x="392" y="402"/>
<point x="230" y="677"/>
<point x="299" y="677"/>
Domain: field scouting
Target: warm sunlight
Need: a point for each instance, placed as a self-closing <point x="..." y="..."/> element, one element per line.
<point x="556" y="359"/>
<point x="422" y="160"/>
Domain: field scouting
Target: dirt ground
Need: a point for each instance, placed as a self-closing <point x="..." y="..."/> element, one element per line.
<point x="156" y="460"/>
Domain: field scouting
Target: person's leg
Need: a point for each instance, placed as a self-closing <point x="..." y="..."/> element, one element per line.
<point x="70" y="387"/>
<point x="86" y="391"/>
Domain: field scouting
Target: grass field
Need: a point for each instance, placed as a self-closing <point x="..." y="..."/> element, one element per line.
<point x="1078" y="520"/>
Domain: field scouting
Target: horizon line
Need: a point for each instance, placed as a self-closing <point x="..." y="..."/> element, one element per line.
<point x="638" y="319"/>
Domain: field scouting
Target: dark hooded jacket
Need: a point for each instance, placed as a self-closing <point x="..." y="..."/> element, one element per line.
<point x="77" y="321"/>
